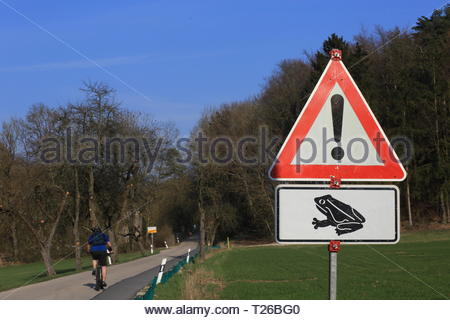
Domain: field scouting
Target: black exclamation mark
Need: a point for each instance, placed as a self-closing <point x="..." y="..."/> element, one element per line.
<point x="337" y="113"/>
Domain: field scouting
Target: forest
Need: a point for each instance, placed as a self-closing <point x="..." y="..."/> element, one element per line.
<point x="48" y="207"/>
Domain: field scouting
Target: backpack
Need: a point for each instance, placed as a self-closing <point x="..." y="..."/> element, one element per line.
<point x="98" y="239"/>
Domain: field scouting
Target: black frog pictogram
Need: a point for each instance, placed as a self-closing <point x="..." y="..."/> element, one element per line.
<point x="340" y="215"/>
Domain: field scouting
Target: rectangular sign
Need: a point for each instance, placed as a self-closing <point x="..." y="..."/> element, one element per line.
<point x="151" y="230"/>
<point x="352" y="214"/>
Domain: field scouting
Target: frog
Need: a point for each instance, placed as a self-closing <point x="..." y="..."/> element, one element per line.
<point x="339" y="214"/>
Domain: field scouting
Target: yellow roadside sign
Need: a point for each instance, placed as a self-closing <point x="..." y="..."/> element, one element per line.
<point x="151" y="230"/>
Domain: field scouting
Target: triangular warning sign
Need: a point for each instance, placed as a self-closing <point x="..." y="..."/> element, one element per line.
<point x="337" y="135"/>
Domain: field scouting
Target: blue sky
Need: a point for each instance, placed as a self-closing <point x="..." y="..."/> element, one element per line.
<point x="171" y="59"/>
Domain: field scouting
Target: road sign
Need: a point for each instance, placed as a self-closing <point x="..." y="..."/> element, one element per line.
<point x="336" y="134"/>
<point x="351" y="213"/>
<point x="151" y="230"/>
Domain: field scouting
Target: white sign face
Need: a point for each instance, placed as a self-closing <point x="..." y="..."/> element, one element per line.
<point x="359" y="149"/>
<point x="351" y="213"/>
<point x="151" y="230"/>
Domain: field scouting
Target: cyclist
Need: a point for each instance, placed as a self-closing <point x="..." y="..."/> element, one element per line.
<point x="98" y="244"/>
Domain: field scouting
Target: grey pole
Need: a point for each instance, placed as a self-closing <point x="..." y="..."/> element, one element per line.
<point x="333" y="275"/>
<point x="151" y="245"/>
<point x="335" y="245"/>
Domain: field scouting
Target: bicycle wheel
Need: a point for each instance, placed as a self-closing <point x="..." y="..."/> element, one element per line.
<point x="98" y="278"/>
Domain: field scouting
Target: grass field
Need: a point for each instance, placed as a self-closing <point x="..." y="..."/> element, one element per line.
<point x="416" y="268"/>
<point x="17" y="275"/>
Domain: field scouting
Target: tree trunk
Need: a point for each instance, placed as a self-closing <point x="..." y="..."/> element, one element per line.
<point x="112" y="239"/>
<point x="269" y="228"/>
<point x="137" y="224"/>
<point x="141" y="247"/>
<point x="14" y="239"/>
<point x="213" y="234"/>
<point x="202" y="229"/>
<point x="437" y="117"/>
<point x="444" y="211"/>
<point x="46" y="249"/>
<point x="76" y="230"/>
<point x="269" y="197"/>
<point x="92" y="203"/>
<point x="46" y="244"/>
<point x="249" y="197"/>
<point x="47" y="259"/>
<point x="408" y="201"/>
<point x="448" y="208"/>
<point x="121" y="226"/>
<point x="270" y="203"/>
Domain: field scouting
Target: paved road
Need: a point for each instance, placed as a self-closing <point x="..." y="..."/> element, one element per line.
<point x="127" y="288"/>
<point x="124" y="280"/>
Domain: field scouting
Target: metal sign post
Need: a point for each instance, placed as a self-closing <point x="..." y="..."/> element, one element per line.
<point x="333" y="249"/>
<point x="151" y="245"/>
<point x="152" y="230"/>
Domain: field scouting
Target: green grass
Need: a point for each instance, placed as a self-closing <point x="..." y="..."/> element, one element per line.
<point x="18" y="275"/>
<point x="173" y="288"/>
<point x="301" y="272"/>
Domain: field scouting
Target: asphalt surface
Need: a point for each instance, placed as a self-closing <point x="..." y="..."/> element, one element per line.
<point x="124" y="280"/>
<point x="127" y="288"/>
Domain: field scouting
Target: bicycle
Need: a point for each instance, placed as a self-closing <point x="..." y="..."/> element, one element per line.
<point x="101" y="241"/>
<point x="98" y="278"/>
<point x="99" y="275"/>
